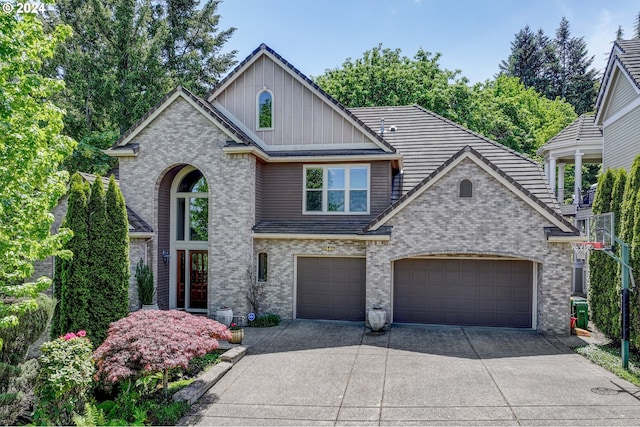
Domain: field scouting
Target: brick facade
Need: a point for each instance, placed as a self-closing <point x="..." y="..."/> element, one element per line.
<point x="494" y="222"/>
<point x="181" y="135"/>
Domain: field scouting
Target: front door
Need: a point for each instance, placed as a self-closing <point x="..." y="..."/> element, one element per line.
<point x="198" y="279"/>
<point x="193" y="284"/>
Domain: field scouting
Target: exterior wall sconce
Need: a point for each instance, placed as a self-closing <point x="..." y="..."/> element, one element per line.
<point x="165" y="256"/>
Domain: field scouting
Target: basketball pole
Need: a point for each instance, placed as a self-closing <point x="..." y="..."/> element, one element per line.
<point x="624" y="303"/>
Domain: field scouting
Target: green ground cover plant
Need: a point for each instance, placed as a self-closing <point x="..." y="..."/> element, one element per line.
<point x="265" y="321"/>
<point x="608" y="356"/>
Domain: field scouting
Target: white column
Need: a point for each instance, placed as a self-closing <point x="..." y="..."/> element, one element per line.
<point x="546" y="169"/>
<point x="552" y="174"/>
<point x="578" y="177"/>
<point x="561" y="167"/>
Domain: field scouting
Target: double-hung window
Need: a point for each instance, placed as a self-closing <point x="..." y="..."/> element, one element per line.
<point x="336" y="189"/>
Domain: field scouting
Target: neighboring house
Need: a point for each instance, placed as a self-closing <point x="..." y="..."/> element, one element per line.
<point x="618" y="106"/>
<point x="338" y="210"/>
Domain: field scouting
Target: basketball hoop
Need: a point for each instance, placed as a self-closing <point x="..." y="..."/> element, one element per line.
<point x="581" y="249"/>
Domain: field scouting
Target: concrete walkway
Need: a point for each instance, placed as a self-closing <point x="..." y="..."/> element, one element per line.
<point x="335" y="373"/>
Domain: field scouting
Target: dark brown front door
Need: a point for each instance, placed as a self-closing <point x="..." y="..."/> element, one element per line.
<point x="331" y="288"/>
<point x="199" y="267"/>
<point x="463" y="292"/>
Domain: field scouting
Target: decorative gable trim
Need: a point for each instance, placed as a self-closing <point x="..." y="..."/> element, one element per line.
<point x="265" y="50"/>
<point x="124" y="148"/>
<point x="469" y="153"/>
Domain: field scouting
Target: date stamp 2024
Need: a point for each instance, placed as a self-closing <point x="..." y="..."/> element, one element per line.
<point x="20" y="8"/>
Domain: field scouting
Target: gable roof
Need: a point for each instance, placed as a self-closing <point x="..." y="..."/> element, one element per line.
<point x="427" y="140"/>
<point x="625" y="54"/>
<point x="263" y="49"/>
<point x="582" y="134"/>
<point x="468" y="152"/>
<point x="204" y="107"/>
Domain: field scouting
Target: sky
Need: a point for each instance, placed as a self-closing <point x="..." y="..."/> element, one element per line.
<point x="473" y="36"/>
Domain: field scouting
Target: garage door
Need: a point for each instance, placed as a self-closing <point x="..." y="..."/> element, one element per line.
<point x="331" y="288"/>
<point x="463" y="292"/>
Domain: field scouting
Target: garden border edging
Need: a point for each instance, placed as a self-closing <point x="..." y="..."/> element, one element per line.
<point x="200" y="386"/>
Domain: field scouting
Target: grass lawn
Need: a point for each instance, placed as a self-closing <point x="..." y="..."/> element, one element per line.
<point x="608" y="356"/>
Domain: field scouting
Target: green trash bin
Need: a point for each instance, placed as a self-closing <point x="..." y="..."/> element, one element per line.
<point x="581" y="312"/>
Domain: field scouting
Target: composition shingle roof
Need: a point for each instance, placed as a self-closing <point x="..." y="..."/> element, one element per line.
<point x="427" y="140"/>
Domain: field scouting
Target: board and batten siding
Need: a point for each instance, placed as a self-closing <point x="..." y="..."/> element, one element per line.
<point x="300" y="117"/>
<point x="622" y="141"/>
<point x="282" y="192"/>
<point x="622" y="94"/>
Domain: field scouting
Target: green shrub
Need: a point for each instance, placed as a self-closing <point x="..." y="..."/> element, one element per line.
<point x="265" y="321"/>
<point x="64" y="379"/>
<point x="144" y="277"/>
<point x="15" y="400"/>
<point x="17" y="339"/>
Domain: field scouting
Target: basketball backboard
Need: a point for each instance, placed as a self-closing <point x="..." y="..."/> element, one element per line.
<point x="601" y="230"/>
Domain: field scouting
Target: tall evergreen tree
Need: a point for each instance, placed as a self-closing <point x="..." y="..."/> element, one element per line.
<point x="636" y="27"/>
<point x="527" y="59"/>
<point x="99" y="263"/>
<point x="619" y="33"/>
<point x="74" y="292"/>
<point x="602" y="269"/>
<point x="124" y="55"/>
<point x="117" y="254"/>
<point x="556" y="68"/>
<point x="627" y="214"/>
<point x="192" y="44"/>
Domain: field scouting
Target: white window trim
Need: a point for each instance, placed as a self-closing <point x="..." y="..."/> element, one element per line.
<point x="273" y="101"/>
<point x="347" y="189"/>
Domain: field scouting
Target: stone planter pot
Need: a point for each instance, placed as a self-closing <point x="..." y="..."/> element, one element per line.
<point x="224" y="315"/>
<point x="237" y="335"/>
<point x="149" y="307"/>
<point x="377" y="319"/>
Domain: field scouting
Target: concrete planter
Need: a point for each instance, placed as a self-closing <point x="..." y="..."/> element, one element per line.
<point x="224" y="315"/>
<point x="377" y="318"/>
<point x="150" y="307"/>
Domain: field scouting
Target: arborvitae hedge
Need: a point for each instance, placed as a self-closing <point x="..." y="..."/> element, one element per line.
<point x="73" y="292"/>
<point x="112" y="301"/>
<point x="602" y="268"/>
<point x="93" y="287"/>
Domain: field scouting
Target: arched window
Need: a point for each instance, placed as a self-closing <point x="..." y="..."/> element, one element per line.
<point x="265" y="109"/>
<point x="466" y="188"/>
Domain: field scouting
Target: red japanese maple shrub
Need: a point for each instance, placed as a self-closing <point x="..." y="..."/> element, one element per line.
<point x="148" y="341"/>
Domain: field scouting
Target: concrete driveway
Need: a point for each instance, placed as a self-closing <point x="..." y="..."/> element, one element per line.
<point x="334" y="373"/>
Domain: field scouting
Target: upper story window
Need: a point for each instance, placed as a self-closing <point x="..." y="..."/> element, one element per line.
<point x="265" y="109"/>
<point x="466" y="188"/>
<point x="336" y="189"/>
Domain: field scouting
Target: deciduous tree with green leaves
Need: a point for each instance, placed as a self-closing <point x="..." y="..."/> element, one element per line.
<point x="503" y="110"/>
<point x="31" y="150"/>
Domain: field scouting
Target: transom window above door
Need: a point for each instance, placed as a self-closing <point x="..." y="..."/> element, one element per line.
<point x="192" y="208"/>
<point x="336" y="189"/>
